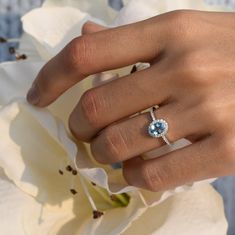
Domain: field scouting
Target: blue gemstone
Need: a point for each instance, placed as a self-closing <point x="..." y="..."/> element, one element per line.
<point x="157" y="128"/>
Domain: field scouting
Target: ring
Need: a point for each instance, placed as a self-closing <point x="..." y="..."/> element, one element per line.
<point x="158" y="128"/>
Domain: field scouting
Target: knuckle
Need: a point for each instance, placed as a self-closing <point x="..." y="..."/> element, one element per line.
<point x="190" y="60"/>
<point x="179" y="22"/>
<point x="75" y="129"/>
<point x="193" y="69"/>
<point x="217" y="118"/>
<point x="114" y="144"/>
<point x="78" y="54"/>
<point x="92" y="107"/>
<point x="208" y="109"/>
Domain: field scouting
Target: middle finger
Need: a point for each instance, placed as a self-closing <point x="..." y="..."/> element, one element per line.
<point x="101" y="106"/>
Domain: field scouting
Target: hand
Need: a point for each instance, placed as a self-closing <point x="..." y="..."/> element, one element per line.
<point x="191" y="78"/>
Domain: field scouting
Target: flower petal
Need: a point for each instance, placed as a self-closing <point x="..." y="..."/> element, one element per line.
<point x="12" y="202"/>
<point x="55" y="25"/>
<point x="32" y="162"/>
<point x="15" y="81"/>
<point x="98" y="8"/>
<point x="17" y="208"/>
<point x="198" y="211"/>
<point x="36" y="146"/>
<point x="16" y="78"/>
<point x="53" y="28"/>
<point x="33" y="155"/>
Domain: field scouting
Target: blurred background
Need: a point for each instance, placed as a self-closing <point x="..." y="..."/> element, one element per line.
<point x="10" y="27"/>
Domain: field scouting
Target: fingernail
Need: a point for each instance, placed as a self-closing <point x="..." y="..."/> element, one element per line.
<point x="33" y="95"/>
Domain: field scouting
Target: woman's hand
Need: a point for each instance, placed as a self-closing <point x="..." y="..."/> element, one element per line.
<point x="191" y="78"/>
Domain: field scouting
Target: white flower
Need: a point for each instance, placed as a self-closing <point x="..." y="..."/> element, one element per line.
<point x="36" y="147"/>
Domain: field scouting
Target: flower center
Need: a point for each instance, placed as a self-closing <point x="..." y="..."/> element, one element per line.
<point x="120" y="200"/>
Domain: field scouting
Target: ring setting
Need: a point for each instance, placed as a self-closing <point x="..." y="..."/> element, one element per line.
<point x="158" y="128"/>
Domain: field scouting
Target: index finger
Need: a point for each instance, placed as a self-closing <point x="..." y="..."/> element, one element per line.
<point x="93" y="53"/>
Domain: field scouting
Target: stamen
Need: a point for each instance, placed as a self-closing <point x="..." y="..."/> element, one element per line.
<point x="9" y="40"/>
<point x="106" y="195"/>
<point x="12" y="50"/>
<point x="61" y="168"/>
<point x="142" y="198"/>
<point x="21" y="57"/>
<point x="73" y="191"/>
<point x="74" y="172"/>
<point x="15" y="40"/>
<point x="97" y="214"/>
<point x="87" y="193"/>
<point x="3" y="40"/>
<point x="69" y="168"/>
<point x="114" y="197"/>
<point x="85" y="187"/>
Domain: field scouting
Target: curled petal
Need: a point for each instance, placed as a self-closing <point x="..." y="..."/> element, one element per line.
<point x="53" y="28"/>
<point x="98" y="9"/>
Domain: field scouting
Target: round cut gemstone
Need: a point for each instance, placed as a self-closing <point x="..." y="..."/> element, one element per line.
<point x="158" y="128"/>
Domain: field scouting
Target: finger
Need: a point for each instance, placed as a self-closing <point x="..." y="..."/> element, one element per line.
<point x="91" y="27"/>
<point x="93" y="53"/>
<point x="119" y="99"/>
<point x="193" y="163"/>
<point x="130" y="138"/>
<point x="100" y="78"/>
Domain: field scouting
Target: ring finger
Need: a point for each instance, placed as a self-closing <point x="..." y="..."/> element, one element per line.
<point x="129" y="138"/>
